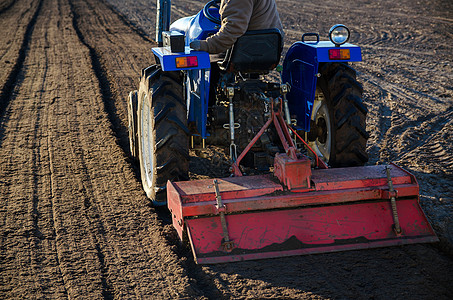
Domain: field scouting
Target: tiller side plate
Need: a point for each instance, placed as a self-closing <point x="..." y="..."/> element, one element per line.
<point x="255" y="217"/>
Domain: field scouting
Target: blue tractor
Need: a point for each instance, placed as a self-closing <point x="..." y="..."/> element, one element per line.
<point x="226" y="102"/>
<point x="284" y="131"/>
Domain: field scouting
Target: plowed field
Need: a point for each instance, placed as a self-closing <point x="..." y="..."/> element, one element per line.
<point x="74" y="221"/>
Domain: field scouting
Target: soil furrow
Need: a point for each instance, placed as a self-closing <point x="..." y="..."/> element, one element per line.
<point x="87" y="208"/>
<point x="52" y="220"/>
<point x="104" y="83"/>
<point x="85" y="14"/>
<point x="97" y="45"/>
<point x="27" y="189"/>
<point x="5" y="5"/>
<point x="109" y="66"/>
<point x="61" y="128"/>
<point x="12" y="49"/>
<point x="128" y="23"/>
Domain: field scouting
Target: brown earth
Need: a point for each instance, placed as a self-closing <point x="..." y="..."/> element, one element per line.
<point x="74" y="222"/>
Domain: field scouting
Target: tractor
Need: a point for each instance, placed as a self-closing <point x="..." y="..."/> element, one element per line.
<point x="295" y="135"/>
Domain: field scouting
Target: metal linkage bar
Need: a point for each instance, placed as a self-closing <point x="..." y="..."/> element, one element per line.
<point x="227" y="244"/>
<point x="319" y="162"/>
<point x="233" y="151"/>
<point x="283" y="132"/>
<point x="235" y="167"/>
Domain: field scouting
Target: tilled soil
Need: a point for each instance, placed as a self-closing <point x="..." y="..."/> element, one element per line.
<point x="74" y="222"/>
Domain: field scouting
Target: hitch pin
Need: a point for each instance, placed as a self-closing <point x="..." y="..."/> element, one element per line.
<point x="284" y="89"/>
<point x="396" y="221"/>
<point x="227" y="245"/>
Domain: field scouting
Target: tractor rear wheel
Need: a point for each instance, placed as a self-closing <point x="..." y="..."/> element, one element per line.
<point x="163" y="136"/>
<point x="338" y="132"/>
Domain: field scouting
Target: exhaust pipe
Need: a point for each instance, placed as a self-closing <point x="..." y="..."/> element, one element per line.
<point x="163" y="19"/>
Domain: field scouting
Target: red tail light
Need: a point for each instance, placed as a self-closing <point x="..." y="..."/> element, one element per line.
<point x="186" y="62"/>
<point x="339" y="54"/>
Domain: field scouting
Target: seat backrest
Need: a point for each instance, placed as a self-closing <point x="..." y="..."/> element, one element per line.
<point x="257" y="51"/>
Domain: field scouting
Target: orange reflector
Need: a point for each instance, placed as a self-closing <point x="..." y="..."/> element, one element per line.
<point x="339" y="54"/>
<point x="186" y="62"/>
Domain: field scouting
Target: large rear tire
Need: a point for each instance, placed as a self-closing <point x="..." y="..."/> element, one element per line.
<point x="163" y="136"/>
<point x="338" y="131"/>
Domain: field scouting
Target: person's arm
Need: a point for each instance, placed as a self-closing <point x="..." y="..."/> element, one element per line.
<point x="235" y="21"/>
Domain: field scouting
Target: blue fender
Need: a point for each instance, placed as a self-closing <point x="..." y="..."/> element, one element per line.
<point x="300" y="70"/>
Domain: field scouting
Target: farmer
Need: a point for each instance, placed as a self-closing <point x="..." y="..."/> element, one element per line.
<point x="239" y="16"/>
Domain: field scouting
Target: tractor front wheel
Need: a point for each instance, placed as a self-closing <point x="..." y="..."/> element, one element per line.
<point x="163" y="136"/>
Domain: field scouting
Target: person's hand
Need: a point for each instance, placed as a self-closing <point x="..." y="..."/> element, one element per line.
<point x="195" y="45"/>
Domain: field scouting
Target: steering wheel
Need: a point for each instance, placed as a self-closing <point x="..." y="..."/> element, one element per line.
<point x="207" y="13"/>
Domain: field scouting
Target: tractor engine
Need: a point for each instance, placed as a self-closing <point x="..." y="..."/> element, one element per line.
<point x="251" y="109"/>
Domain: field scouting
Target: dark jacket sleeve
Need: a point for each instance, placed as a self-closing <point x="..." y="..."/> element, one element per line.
<point x="235" y="16"/>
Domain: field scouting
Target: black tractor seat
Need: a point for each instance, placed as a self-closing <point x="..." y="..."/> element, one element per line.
<point x="257" y="51"/>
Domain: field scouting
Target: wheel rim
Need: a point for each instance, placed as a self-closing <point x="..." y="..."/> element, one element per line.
<point x="147" y="142"/>
<point x="320" y="115"/>
<point x="131" y="126"/>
